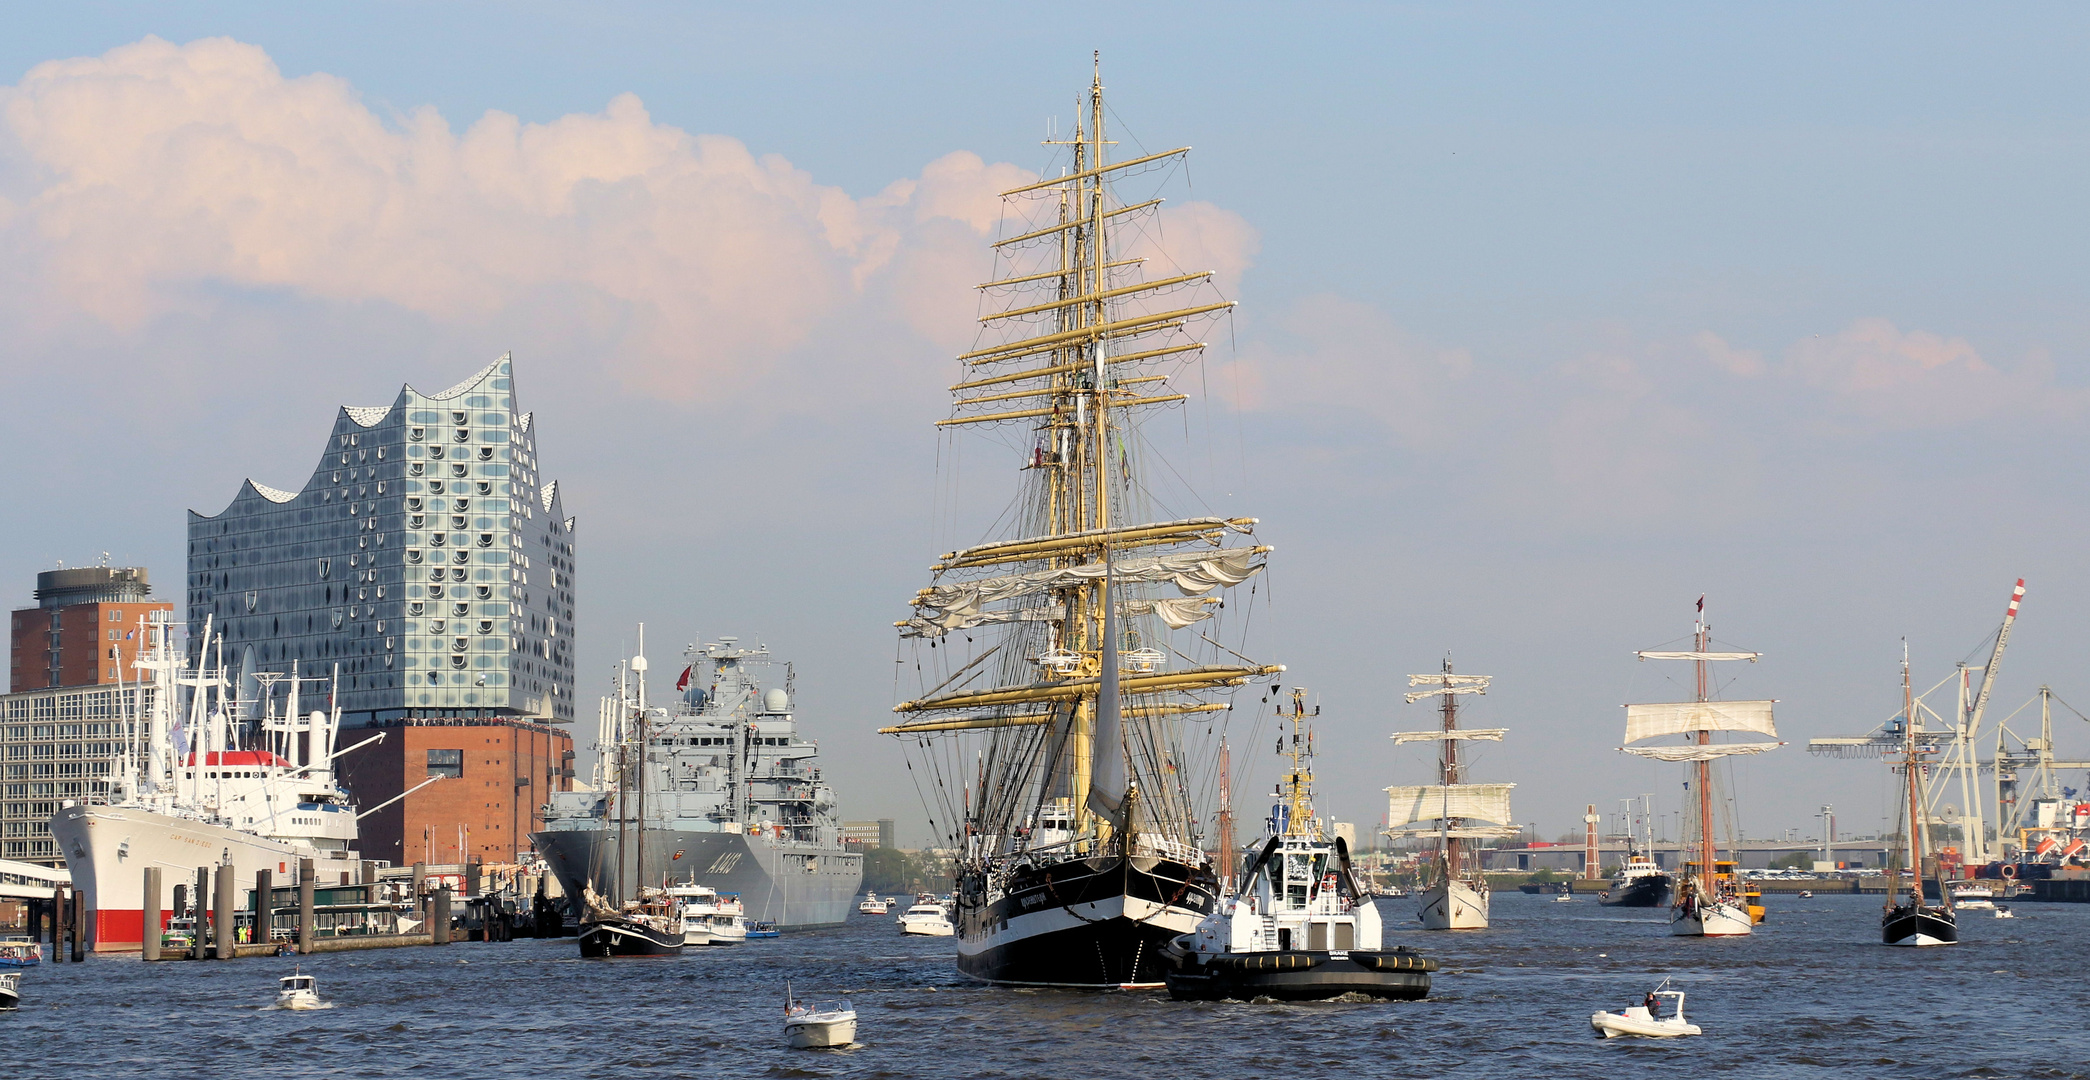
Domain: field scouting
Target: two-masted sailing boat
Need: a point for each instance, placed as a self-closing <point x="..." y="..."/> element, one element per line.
<point x="1709" y="901"/>
<point x="1457" y="896"/>
<point x="645" y="921"/>
<point x="1069" y="793"/>
<point x="1911" y="921"/>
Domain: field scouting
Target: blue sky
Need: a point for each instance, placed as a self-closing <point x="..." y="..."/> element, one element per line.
<point x="1551" y="320"/>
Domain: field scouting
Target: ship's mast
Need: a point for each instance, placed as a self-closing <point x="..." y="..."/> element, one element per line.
<point x="1300" y="821"/>
<point x="1448" y="764"/>
<point x="1226" y="820"/>
<point x="1702" y="639"/>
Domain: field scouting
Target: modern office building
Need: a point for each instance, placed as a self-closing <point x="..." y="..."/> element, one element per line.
<point x="426" y="561"/>
<point x="83" y="630"/>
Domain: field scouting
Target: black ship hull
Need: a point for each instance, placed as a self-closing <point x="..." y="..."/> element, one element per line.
<point x="1302" y="976"/>
<point x="1909" y="925"/>
<point x="606" y="938"/>
<point x="1097" y="923"/>
<point x="1652" y="890"/>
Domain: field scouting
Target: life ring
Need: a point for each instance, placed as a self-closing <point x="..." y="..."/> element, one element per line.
<point x="2009" y="870"/>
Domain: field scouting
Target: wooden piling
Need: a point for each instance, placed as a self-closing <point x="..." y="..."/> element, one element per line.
<point x="224" y="926"/>
<point x="439" y="917"/>
<point x="305" y="921"/>
<point x="79" y="921"/>
<point x="61" y="914"/>
<point x="264" y="907"/>
<point x="199" y="920"/>
<point x="149" y="927"/>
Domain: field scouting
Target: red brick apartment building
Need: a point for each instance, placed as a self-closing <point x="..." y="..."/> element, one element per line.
<point x="83" y="630"/>
<point x="496" y="775"/>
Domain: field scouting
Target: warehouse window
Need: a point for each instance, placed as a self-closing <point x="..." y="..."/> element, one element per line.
<point x="448" y="763"/>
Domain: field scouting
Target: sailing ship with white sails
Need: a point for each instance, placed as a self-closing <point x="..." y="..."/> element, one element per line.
<point x="1909" y="920"/>
<point x="1457" y="897"/>
<point x="1077" y="829"/>
<point x="1708" y="903"/>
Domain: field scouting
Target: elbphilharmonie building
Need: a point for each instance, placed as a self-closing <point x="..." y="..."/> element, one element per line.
<point x="426" y="557"/>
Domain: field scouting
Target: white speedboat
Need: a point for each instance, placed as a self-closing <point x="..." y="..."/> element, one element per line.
<point x="2004" y="912"/>
<point x="298" y="991"/>
<point x="872" y="904"/>
<point x="10" y="990"/>
<point x="927" y="920"/>
<point x="1645" y="1020"/>
<point x="1563" y="898"/>
<point x="817" y="1025"/>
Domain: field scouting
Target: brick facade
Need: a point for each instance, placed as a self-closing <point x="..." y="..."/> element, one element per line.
<point x="504" y="772"/>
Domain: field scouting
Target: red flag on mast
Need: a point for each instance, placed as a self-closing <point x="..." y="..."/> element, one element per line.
<point x="683" y="682"/>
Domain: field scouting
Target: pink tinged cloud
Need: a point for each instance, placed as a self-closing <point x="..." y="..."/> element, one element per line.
<point x="160" y="168"/>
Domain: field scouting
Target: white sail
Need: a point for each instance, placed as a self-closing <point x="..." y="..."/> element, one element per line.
<point x="1177" y="613"/>
<point x="1700" y="753"/>
<point x="1652" y="655"/>
<point x="1446" y="678"/>
<point x="1690" y="717"/>
<point x="1493" y="734"/>
<point x="1445" y="691"/>
<point x="1193" y="573"/>
<point x="1431" y="802"/>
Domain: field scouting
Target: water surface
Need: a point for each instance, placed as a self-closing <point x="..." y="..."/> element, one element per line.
<point x="1810" y="995"/>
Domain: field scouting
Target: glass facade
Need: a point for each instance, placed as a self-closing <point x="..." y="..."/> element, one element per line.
<point x="426" y="558"/>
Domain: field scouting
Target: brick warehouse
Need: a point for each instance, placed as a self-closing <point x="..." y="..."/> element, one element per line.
<point x="496" y="775"/>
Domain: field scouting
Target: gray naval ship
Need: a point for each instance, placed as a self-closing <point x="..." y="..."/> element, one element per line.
<point x="727" y="796"/>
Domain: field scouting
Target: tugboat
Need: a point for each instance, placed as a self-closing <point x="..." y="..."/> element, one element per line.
<point x="1300" y="929"/>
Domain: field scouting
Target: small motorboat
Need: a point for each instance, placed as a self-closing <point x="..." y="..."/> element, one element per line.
<point x="817" y="1025"/>
<point x="1563" y="898"/>
<point x="2003" y="912"/>
<point x="1806" y="894"/>
<point x="873" y="904"/>
<point x="1646" y="1019"/>
<point x="298" y="991"/>
<point x="764" y="928"/>
<point x="10" y="990"/>
<point x="20" y="952"/>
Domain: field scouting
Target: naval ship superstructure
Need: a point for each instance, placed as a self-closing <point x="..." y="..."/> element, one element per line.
<point x="733" y="799"/>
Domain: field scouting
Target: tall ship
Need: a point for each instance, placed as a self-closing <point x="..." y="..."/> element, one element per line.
<point x="1069" y="662"/>
<point x="1909" y="919"/>
<point x="209" y="773"/>
<point x="1455" y="895"/>
<point x="733" y="800"/>
<point x="1709" y="901"/>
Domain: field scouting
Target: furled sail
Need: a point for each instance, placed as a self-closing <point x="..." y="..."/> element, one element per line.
<point x="1430" y="802"/>
<point x="1493" y="734"/>
<point x="1106" y="796"/>
<point x="1177" y="613"/>
<point x="1691" y="717"/>
<point x="1700" y="753"/>
<point x="1651" y="655"/>
<point x="1193" y="573"/>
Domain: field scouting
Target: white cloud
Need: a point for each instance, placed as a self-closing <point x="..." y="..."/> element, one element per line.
<point x="157" y="169"/>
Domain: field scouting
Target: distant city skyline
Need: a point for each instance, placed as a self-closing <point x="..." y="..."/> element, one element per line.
<point x="1551" y="322"/>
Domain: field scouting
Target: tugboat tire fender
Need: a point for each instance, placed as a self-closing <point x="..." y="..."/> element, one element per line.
<point x="1272" y="961"/>
<point x="1395" y="961"/>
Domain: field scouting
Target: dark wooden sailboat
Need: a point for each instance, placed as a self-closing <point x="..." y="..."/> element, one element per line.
<point x="649" y="924"/>
<point x="1908" y="919"/>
